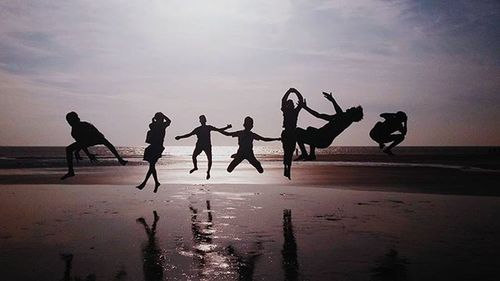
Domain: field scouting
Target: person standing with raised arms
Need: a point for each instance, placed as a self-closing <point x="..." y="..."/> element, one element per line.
<point x="289" y="135"/>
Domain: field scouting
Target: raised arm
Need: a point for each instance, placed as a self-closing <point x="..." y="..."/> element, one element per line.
<point x="186" y="135"/>
<point x="329" y="97"/>
<point x="260" y="138"/>
<point x="316" y="114"/>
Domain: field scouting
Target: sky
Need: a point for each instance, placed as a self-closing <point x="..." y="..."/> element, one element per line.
<point x="116" y="63"/>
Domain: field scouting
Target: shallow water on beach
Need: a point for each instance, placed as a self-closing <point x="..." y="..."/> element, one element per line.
<point x="231" y="232"/>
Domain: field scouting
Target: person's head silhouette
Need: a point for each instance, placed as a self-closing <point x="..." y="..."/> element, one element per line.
<point x="160" y="117"/>
<point x="72" y="118"/>
<point x="401" y="116"/>
<point x="355" y="113"/>
<point x="203" y="120"/>
<point x="248" y="123"/>
<point x="289" y="105"/>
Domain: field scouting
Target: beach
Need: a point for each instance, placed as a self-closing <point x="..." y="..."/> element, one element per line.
<point x="344" y="217"/>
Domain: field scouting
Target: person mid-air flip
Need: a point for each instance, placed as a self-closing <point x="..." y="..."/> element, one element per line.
<point x="203" y="144"/>
<point x="245" y="143"/>
<point x="85" y="135"/>
<point x="288" y="135"/>
<point x="383" y="132"/>
<point x="324" y="136"/>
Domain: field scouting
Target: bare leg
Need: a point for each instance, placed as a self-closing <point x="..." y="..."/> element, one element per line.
<point x="208" y="152"/>
<point x="312" y="153"/>
<point x="256" y="164"/>
<point x="236" y="161"/>
<point x="113" y="150"/>
<point x="69" y="159"/>
<point x="398" y="138"/>
<point x="151" y="171"/>
<point x="155" y="176"/>
<point x="196" y="152"/>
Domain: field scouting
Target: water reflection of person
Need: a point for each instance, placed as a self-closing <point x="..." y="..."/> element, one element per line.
<point x="245" y="265"/>
<point x="151" y="252"/>
<point x="289" y="252"/>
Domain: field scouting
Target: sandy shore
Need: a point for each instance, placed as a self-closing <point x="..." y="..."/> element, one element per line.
<point x="350" y="220"/>
<point x="226" y="232"/>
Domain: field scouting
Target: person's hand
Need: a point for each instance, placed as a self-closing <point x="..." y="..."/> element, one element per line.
<point x="304" y="103"/>
<point x="328" y="96"/>
<point x="229" y="126"/>
<point x="177" y="138"/>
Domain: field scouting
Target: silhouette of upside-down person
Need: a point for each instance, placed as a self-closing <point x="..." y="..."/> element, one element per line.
<point x="384" y="132"/>
<point x="324" y="136"/>
<point x="155" y="137"/>
<point x="245" y="143"/>
<point x="204" y="143"/>
<point x="85" y="135"/>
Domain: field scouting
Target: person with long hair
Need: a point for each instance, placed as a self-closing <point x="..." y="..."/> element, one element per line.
<point x="288" y="135"/>
<point x="152" y="153"/>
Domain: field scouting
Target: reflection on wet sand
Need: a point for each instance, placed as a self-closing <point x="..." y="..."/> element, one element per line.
<point x="390" y="267"/>
<point x="152" y="256"/>
<point x="245" y="266"/>
<point x="289" y="252"/>
<point x="68" y="264"/>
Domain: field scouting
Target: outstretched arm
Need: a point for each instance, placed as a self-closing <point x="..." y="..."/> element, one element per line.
<point x="229" y="134"/>
<point x="260" y="138"/>
<point x="186" y="135"/>
<point x="387" y="115"/>
<point x="316" y="114"/>
<point x="329" y="97"/>
<point x="220" y="130"/>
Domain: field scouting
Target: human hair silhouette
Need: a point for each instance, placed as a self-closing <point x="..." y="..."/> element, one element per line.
<point x="324" y="136"/>
<point x="385" y="132"/>
<point x="155" y="137"/>
<point x="152" y="254"/>
<point x="288" y="135"/>
<point x="85" y="135"/>
<point x="245" y="143"/>
<point x="203" y="143"/>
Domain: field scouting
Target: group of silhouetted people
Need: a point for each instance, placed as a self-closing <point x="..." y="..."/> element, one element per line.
<point x="392" y="130"/>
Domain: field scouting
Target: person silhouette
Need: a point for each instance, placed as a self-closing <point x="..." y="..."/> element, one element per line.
<point x="384" y="132"/>
<point x="152" y="254"/>
<point x="85" y="135"/>
<point x="288" y="135"/>
<point x="245" y="143"/>
<point x="152" y="153"/>
<point x="204" y="143"/>
<point x="324" y="136"/>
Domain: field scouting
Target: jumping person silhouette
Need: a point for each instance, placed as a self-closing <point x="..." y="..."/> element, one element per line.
<point x="324" y="136"/>
<point x="204" y="143"/>
<point x="383" y="132"/>
<point x="85" y="135"/>
<point x="245" y="143"/>
<point x="288" y="135"/>
<point x="152" y="153"/>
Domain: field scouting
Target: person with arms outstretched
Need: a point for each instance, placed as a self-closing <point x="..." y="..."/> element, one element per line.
<point x="245" y="143"/>
<point x="385" y="132"/>
<point x="288" y="135"/>
<point x="204" y="143"/>
<point x="155" y="138"/>
<point x="324" y="136"/>
<point x="85" y="135"/>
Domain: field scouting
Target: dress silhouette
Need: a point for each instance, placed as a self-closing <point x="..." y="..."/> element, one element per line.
<point x="245" y="143"/>
<point x="385" y="132"/>
<point x="288" y="135"/>
<point x="324" y="136"/>
<point x="152" y="153"/>
<point x="204" y="143"/>
<point x="85" y="135"/>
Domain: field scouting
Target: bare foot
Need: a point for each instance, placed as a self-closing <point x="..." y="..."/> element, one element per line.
<point x="68" y="175"/>
<point x="156" y="187"/>
<point x="193" y="169"/>
<point x="141" y="186"/>
<point x="388" y="152"/>
<point x="123" y="162"/>
<point x="208" y="175"/>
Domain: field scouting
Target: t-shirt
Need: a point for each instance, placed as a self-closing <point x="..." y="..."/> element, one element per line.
<point x="86" y="133"/>
<point x="203" y="134"/>
<point x="245" y="141"/>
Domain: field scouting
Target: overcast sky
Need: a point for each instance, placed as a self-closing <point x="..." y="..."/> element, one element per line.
<point x="118" y="62"/>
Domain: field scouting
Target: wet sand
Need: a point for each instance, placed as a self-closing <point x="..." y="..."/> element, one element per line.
<point x="333" y="221"/>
